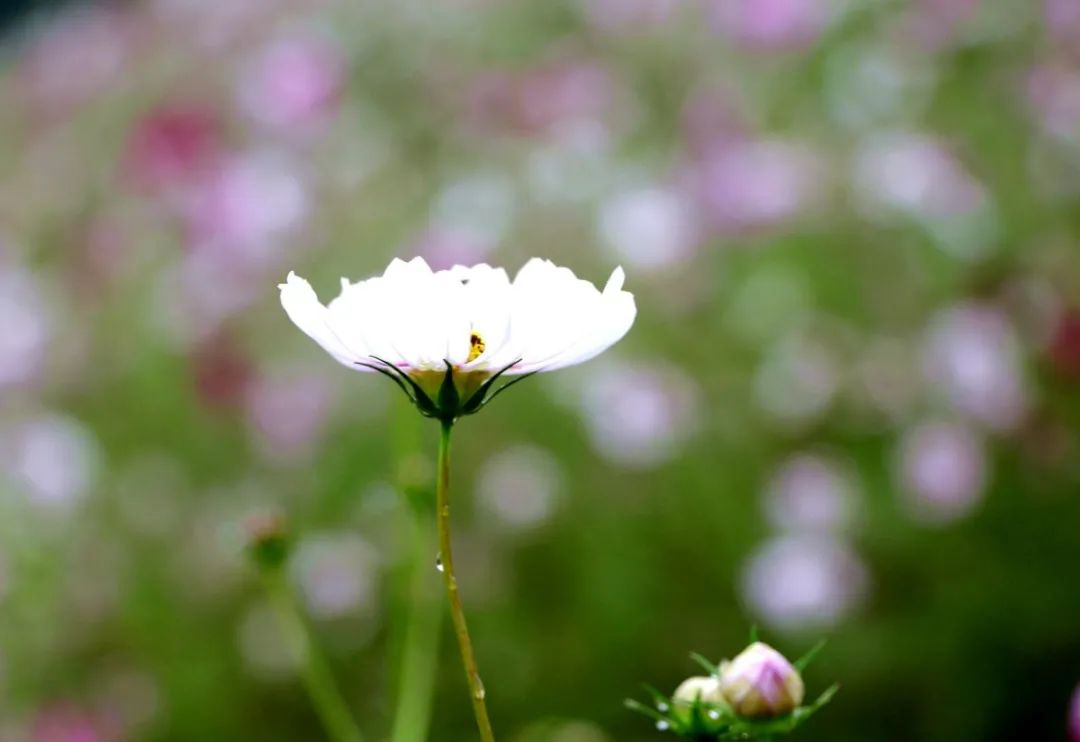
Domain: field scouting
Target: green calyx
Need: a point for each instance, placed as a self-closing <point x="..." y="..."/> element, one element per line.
<point x="449" y="403"/>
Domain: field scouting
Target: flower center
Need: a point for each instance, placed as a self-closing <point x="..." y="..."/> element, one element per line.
<point x="476" y="347"/>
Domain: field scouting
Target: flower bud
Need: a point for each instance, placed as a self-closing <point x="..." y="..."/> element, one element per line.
<point x="699" y="687"/>
<point x="267" y="539"/>
<point x="761" y="683"/>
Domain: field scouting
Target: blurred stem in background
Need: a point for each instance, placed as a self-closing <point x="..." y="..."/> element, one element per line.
<point x="270" y="552"/>
<point x="446" y="564"/>
<point x="421" y="606"/>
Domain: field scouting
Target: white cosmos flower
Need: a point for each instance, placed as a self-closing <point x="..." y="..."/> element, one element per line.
<point x="467" y="325"/>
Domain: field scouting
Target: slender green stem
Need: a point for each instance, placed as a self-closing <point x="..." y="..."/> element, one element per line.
<point x="324" y="693"/>
<point x="418" y="658"/>
<point x="418" y="607"/>
<point x="442" y="505"/>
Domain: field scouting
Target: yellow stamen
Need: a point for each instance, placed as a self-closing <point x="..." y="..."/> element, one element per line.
<point x="476" y="347"/>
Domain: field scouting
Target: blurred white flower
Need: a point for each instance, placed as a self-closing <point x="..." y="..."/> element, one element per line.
<point x="803" y="582"/>
<point x="520" y="485"/>
<point x="480" y="206"/>
<point x="54" y="459"/>
<point x="472" y="323"/>
<point x="25" y="328"/>
<point x="648" y="227"/>
<point x="637" y="414"/>
<point x="338" y="575"/>
<point x="915" y="175"/>
<point x="870" y="85"/>
<point x="943" y="471"/>
<point x="810" y="493"/>
<point x="293" y="85"/>
<point x="973" y="356"/>
<point x="575" y="170"/>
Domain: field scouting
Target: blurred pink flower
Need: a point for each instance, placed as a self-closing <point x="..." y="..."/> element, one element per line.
<point x="1062" y="18"/>
<point x="628" y="16"/>
<point x="1074" y="716"/>
<point x="1064" y="347"/>
<point x="810" y="493"/>
<point x="444" y="248"/>
<point x="803" y="582"/>
<point x="66" y="722"/>
<point x="129" y="698"/>
<point x="75" y="56"/>
<point x="550" y="99"/>
<point x="338" y="575"/>
<point x="756" y="184"/>
<point x="25" y="328"/>
<point x="248" y="210"/>
<point x="943" y="471"/>
<point x="213" y="26"/>
<point x="173" y="145"/>
<point x="288" y="413"/>
<point x="1053" y="92"/>
<point x="294" y="85"/>
<point x="769" y="24"/>
<point x="639" y="415"/>
<point x="221" y="372"/>
<point x="712" y="120"/>
<point x="935" y="24"/>
<point x="972" y="355"/>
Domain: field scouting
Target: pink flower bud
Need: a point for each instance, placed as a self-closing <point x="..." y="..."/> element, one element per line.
<point x="761" y="683"/>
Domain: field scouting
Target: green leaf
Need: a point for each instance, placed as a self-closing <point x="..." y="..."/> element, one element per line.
<point x="710" y="667"/>
<point x="802" y="663"/>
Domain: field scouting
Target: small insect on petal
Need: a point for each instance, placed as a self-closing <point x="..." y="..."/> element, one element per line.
<point x="476" y="347"/>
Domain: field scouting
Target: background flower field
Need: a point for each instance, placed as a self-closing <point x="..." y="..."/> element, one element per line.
<point x="848" y="408"/>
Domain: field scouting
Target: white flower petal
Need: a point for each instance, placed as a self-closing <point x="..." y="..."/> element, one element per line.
<point x="307" y="312"/>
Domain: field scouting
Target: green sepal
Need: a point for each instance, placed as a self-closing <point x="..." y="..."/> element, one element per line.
<point x="449" y="399"/>
<point x="476" y="401"/>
